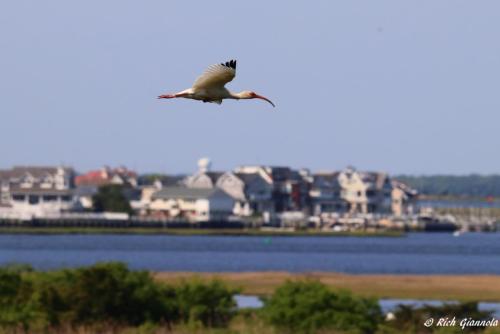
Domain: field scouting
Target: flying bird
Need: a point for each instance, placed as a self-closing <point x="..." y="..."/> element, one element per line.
<point x="209" y="87"/>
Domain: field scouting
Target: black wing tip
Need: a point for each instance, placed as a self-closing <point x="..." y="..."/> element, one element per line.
<point x="230" y="64"/>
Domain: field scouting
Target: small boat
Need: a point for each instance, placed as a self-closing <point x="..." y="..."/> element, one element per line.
<point x="458" y="233"/>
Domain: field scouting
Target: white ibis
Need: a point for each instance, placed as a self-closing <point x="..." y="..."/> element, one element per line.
<point x="209" y="87"/>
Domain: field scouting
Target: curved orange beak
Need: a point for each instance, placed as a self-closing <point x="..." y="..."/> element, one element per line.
<point x="264" y="98"/>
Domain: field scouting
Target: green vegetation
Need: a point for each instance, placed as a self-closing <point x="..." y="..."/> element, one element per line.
<point x="106" y="295"/>
<point x="205" y="305"/>
<point x="309" y="306"/>
<point x="110" y="298"/>
<point x="451" y="185"/>
<point x="111" y="198"/>
<point x="408" y="319"/>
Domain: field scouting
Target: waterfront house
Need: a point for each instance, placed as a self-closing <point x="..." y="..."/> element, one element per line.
<point x="365" y="192"/>
<point x="351" y="191"/>
<point x="191" y="204"/>
<point x="28" y="191"/>
<point x="84" y="194"/>
<point x="325" y="194"/>
<point x="378" y="188"/>
<point x="150" y="184"/>
<point x="251" y="192"/>
<point x="141" y="204"/>
<point x="290" y="187"/>
<point x="204" y="177"/>
<point x="257" y="189"/>
<point x="403" y="199"/>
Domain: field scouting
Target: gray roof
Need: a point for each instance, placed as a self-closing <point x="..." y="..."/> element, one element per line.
<point x="40" y="191"/>
<point x="331" y="178"/>
<point x="35" y="171"/>
<point x="214" y="176"/>
<point x="166" y="180"/>
<point x="188" y="193"/>
<point x="248" y="177"/>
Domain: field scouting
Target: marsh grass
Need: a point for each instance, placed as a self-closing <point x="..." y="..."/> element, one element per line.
<point x="440" y="287"/>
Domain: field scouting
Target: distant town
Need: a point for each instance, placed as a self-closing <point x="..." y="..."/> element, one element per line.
<point x="272" y="197"/>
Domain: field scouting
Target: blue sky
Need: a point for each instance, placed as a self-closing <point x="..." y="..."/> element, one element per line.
<point x="399" y="86"/>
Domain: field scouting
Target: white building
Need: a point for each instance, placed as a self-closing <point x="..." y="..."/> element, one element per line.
<point x="351" y="191"/>
<point x="192" y="204"/>
<point x="325" y="194"/>
<point x="250" y="190"/>
<point x="142" y="204"/>
<point x="27" y="192"/>
<point x="403" y="199"/>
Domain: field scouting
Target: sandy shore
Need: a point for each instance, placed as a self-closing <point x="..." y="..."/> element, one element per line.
<point x="442" y="287"/>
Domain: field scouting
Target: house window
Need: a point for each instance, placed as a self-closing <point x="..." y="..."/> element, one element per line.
<point x="359" y="193"/>
<point x="33" y="199"/>
<point x="49" y="198"/>
<point x="18" y="198"/>
<point x="65" y="198"/>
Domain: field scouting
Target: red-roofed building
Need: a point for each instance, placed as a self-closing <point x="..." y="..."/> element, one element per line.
<point x="106" y="175"/>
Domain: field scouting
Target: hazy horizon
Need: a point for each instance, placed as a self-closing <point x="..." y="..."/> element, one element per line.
<point x="402" y="87"/>
<point x="215" y="169"/>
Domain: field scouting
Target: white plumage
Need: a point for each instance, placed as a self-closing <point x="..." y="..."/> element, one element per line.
<point x="215" y="76"/>
<point x="210" y="86"/>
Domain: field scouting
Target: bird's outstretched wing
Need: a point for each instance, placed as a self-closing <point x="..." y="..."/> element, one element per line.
<point x="216" y="76"/>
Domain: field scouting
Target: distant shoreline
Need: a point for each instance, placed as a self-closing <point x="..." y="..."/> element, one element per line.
<point x="484" y="288"/>
<point x="458" y="198"/>
<point x="190" y="231"/>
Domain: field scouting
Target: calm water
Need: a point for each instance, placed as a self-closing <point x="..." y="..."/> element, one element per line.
<point x="417" y="253"/>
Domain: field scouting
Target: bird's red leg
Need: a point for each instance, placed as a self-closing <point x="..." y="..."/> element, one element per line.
<point x="167" y="96"/>
<point x="171" y="96"/>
